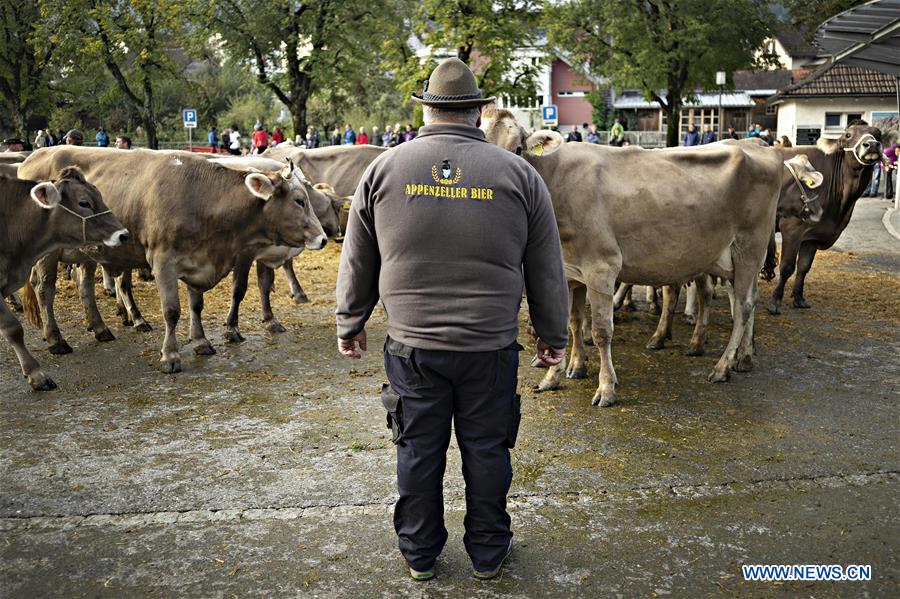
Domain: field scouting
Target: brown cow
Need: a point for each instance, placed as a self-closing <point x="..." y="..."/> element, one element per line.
<point x="713" y="206"/>
<point x="340" y="166"/>
<point x="190" y="219"/>
<point x="36" y="218"/>
<point x="847" y="165"/>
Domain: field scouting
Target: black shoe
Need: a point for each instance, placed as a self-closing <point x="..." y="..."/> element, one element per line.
<point x="489" y="574"/>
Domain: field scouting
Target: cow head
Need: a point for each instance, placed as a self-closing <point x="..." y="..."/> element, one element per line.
<point x="806" y="177"/>
<point x="327" y="206"/>
<point x="288" y="216"/>
<point x="502" y="129"/>
<point x="78" y="215"/>
<point x="860" y="142"/>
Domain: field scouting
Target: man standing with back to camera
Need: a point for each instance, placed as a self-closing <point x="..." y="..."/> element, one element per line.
<point x="447" y="230"/>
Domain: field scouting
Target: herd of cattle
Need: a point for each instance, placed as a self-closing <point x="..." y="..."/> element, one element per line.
<point x="626" y="216"/>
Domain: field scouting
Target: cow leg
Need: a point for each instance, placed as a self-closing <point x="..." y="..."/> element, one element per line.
<point x="240" y="276"/>
<point x="131" y="315"/>
<point x="804" y="263"/>
<point x="586" y="333"/>
<point x="703" y="289"/>
<point x="744" y="359"/>
<point x="265" y="279"/>
<point x="744" y="298"/>
<point x="43" y="278"/>
<point x="167" y="284"/>
<point x="297" y="293"/>
<point x="664" y="326"/>
<point x="652" y="300"/>
<point x="690" y="303"/>
<point x="109" y="283"/>
<point x="623" y="298"/>
<point x="86" y="275"/>
<point x="577" y="368"/>
<point x="790" y="246"/>
<point x="202" y="346"/>
<point x="602" y="314"/>
<point x="554" y="373"/>
<point x="12" y="330"/>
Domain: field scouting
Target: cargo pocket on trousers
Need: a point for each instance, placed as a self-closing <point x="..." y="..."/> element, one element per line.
<point x="515" y="418"/>
<point x="390" y="399"/>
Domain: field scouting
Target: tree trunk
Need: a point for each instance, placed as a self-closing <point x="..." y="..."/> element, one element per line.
<point x="673" y="119"/>
<point x="150" y="126"/>
<point x="20" y="122"/>
<point x="298" y="118"/>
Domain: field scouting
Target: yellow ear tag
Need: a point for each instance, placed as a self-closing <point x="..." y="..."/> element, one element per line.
<point x="346" y="204"/>
<point x="537" y="150"/>
<point x="808" y="181"/>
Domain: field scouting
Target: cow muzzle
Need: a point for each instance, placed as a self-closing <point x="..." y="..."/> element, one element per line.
<point x="866" y="150"/>
<point x="317" y="243"/>
<point x="116" y="239"/>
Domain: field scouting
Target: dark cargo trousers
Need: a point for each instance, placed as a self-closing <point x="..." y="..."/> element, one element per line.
<point x="477" y="392"/>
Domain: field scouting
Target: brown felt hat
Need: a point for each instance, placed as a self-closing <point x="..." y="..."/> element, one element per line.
<point x="452" y="85"/>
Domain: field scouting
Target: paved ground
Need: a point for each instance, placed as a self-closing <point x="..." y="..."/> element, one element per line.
<point x="266" y="471"/>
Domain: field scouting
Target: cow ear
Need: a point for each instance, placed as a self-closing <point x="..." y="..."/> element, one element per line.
<point x="259" y="185"/>
<point x="543" y="142"/>
<point x="46" y="195"/>
<point x="323" y="187"/>
<point x="805" y="171"/>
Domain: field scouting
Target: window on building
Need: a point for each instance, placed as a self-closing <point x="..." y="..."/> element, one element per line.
<point x="853" y="117"/>
<point x="571" y="94"/>
<point x="833" y="120"/>
<point x="772" y="109"/>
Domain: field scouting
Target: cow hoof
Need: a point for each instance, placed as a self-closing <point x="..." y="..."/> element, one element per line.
<point x="577" y="373"/>
<point x="126" y="322"/>
<point x="233" y="336"/>
<point x="774" y="307"/>
<point x="104" y="335"/>
<point x="546" y="385"/>
<point x="204" y="348"/>
<point x="536" y="363"/>
<point x="300" y="298"/>
<point x="690" y="318"/>
<point x="60" y="348"/>
<point x="801" y="303"/>
<point x="273" y="326"/>
<point x="718" y="377"/>
<point x="143" y="327"/>
<point x="110" y="292"/>
<point x="744" y="364"/>
<point x="603" y="402"/>
<point x="170" y="366"/>
<point x="694" y="351"/>
<point x="656" y="343"/>
<point x="41" y="382"/>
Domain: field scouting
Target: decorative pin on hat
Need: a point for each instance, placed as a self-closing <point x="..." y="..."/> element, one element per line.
<point x="452" y="85"/>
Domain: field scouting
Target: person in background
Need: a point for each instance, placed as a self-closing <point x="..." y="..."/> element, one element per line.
<point x="312" y="137"/>
<point x="753" y="130"/>
<point x="40" y="140"/>
<point x="225" y="141"/>
<point x="74" y="138"/>
<point x="213" y="138"/>
<point x="102" y="138"/>
<point x="349" y="135"/>
<point x="410" y="133"/>
<point x="782" y="142"/>
<point x="375" y="140"/>
<point x="277" y="136"/>
<point x="363" y="138"/>
<point x="731" y="133"/>
<point x="123" y="142"/>
<point x="234" y="144"/>
<point x="616" y="133"/>
<point x="573" y="135"/>
<point x="692" y="138"/>
<point x="766" y="136"/>
<point x="52" y="140"/>
<point x="60" y="137"/>
<point x="593" y="137"/>
<point x="709" y="135"/>
<point x="335" y="137"/>
<point x="398" y="133"/>
<point x="890" y="170"/>
<point x="260" y="141"/>
<point x="387" y="138"/>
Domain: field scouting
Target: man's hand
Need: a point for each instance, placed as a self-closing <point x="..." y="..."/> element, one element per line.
<point x="348" y="346"/>
<point x="550" y="356"/>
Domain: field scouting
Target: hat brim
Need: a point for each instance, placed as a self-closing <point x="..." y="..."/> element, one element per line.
<point x="453" y="103"/>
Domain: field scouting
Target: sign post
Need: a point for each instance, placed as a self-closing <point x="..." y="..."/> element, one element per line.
<point x="550" y="115"/>
<point x="190" y="123"/>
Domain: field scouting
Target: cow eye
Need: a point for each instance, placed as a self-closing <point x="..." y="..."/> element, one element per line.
<point x="300" y="203"/>
<point x="848" y="135"/>
<point x="84" y="204"/>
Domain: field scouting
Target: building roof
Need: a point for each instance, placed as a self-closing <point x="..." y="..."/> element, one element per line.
<point x="866" y="36"/>
<point x="729" y="100"/>
<point x="840" y="80"/>
<point x="773" y="79"/>
<point x="796" y="43"/>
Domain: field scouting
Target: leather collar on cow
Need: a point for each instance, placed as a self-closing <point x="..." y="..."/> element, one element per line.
<point x="852" y="149"/>
<point x="807" y="200"/>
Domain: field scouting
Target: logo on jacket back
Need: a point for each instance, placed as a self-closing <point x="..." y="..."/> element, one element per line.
<point x="445" y="172"/>
<point x="447" y="177"/>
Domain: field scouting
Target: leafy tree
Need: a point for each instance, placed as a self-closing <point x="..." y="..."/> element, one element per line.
<point x="24" y="69"/>
<point x="653" y="45"/>
<point x="485" y="34"/>
<point x="298" y="48"/>
<point x="140" y="43"/>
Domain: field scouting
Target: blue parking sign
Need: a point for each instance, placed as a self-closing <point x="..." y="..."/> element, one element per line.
<point x="550" y="114"/>
<point x="190" y="117"/>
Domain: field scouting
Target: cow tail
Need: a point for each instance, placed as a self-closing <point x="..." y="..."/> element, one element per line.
<point x="30" y="305"/>
<point x="768" y="270"/>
